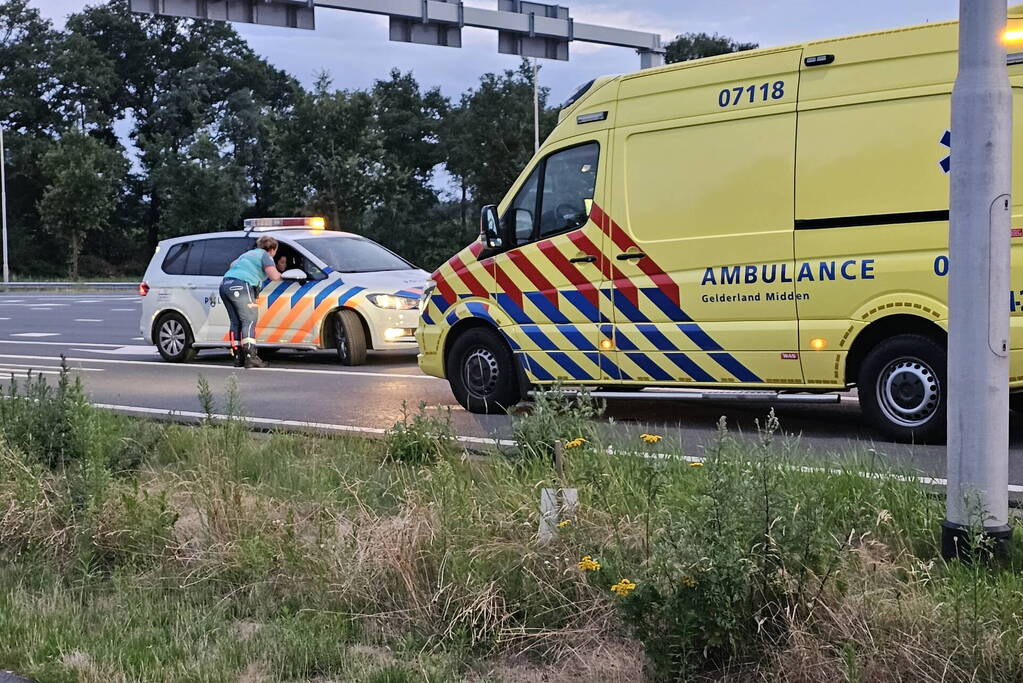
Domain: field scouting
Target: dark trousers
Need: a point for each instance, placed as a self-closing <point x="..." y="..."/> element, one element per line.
<point x="240" y="299"/>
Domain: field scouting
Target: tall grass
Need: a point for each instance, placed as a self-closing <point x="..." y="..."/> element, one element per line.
<point x="216" y="554"/>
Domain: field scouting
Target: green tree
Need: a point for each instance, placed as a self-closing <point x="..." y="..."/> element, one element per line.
<point x="84" y="180"/>
<point x="488" y="139"/>
<point x="688" y="46"/>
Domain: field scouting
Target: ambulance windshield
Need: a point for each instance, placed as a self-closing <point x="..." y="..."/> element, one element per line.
<point x="354" y="254"/>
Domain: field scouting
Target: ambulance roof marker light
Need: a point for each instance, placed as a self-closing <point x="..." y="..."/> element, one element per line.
<point x="267" y="224"/>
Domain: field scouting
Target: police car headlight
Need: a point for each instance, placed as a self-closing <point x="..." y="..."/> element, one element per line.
<point x="393" y="302"/>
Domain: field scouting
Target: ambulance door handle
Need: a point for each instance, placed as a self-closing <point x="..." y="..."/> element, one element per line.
<point x="584" y="259"/>
<point x="632" y="255"/>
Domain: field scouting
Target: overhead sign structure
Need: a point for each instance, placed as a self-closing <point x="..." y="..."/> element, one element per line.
<point x="283" y="13"/>
<point x="532" y="44"/>
<point x="526" y="28"/>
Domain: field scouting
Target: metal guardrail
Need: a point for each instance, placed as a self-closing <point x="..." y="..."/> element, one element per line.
<point x="115" y="286"/>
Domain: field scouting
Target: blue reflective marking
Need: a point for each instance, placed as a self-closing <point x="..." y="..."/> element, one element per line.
<point x="549" y="310"/>
<point x="327" y="291"/>
<point x="699" y="337"/>
<point x="348" y="295"/>
<point x="649" y="366"/>
<point x="608" y="366"/>
<point x="511" y="342"/>
<point x="426" y="318"/>
<point x="589" y="311"/>
<point x="689" y="367"/>
<point x="569" y="365"/>
<point x="577" y="338"/>
<point x="452" y="318"/>
<point x="274" y="295"/>
<point x="534" y="368"/>
<point x="480" y="311"/>
<point x="297" y="296"/>
<point x="328" y="270"/>
<point x="511" y="308"/>
<point x="656" y="337"/>
<point x="405" y="292"/>
<point x="623" y="342"/>
<point x="667" y="306"/>
<point x="440" y="302"/>
<point x="541" y="339"/>
<point x="631" y="313"/>
<point x="729" y="362"/>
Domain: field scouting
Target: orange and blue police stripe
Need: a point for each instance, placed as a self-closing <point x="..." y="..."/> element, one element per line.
<point x="540" y="331"/>
<point x="293" y="313"/>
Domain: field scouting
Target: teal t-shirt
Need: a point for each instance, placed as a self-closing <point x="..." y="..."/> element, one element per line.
<point x="249" y="267"/>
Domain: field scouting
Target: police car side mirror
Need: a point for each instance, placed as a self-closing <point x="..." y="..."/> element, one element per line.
<point x="294" y="274"/>
<point x="490" y="227"/>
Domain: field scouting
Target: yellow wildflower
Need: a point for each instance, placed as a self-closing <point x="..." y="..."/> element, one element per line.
<point x="688" y="581"/>
<point x="575" y="443"/>
<point x="696" y="464"/>
<point x="650" y="438"/>
<point x="563" y="523"/>
<point x="623" y="587"/>
<point x="588" y="564"/>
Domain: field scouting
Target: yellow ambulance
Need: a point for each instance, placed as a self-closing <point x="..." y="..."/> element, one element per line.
<point x="774" y="219"/>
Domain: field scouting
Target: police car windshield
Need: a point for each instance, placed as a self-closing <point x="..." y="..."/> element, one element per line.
<point x="354" y="254"/>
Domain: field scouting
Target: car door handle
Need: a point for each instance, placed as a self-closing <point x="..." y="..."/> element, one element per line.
<point x="191" y="285"/>
<point x="583" y="259"/>
<point x="631" y="256"/>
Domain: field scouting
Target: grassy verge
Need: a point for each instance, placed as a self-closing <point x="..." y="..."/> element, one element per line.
<point x="138" y="551"/>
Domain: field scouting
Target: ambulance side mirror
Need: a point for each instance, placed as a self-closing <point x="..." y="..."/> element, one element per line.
<point x="490" y="227"/>
<point x="294" y="274"/>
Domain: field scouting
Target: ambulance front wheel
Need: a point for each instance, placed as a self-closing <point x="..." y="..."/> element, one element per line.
<point x="903" y="388"/>
<point x="174" y="338"/>
<point x="481" y="372"/>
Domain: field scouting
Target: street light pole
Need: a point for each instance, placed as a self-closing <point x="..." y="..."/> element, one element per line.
<point x="3" y="204"/>
<point x="536" y="108"/>
<point x="978" y="321"/>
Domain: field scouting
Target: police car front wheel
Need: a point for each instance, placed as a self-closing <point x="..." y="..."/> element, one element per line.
<point x="174" y="338"/>
<point x="349" y="338"/>
<point x="902" y="388"/>
<point x="481" y="372"/>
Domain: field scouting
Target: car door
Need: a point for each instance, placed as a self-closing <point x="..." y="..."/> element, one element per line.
<point x="217" y="253"/>
<point x="550" y="281"/>
<point x="178" y="290"/>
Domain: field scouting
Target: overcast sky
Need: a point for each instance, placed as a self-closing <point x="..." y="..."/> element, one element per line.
<point x="355" y="50"/>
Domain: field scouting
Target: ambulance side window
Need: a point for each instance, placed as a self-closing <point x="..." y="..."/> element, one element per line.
<point x="519" y="220"/>
<point x="569" y="178"/>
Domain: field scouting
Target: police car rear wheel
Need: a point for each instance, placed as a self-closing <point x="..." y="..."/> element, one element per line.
<point x="902" y="387"/>
<point x="481" y="372"/>
<point x="349" y="338"/>
<point x="174" y="339"/>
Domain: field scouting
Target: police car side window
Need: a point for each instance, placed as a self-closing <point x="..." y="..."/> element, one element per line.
<point x="569" y="179"/>
<point x="219" y="253"/>
<point x="176" y="260"/>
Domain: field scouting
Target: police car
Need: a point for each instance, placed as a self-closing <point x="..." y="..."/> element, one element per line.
<point x="339" y="291"/>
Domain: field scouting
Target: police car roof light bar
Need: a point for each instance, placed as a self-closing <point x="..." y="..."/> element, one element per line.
<point x="266" y="224"/>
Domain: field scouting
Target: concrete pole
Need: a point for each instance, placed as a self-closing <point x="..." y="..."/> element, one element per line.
<point x="3" y="205"/>
<point x="536" y="108"/>
<point x="978" y="334"/>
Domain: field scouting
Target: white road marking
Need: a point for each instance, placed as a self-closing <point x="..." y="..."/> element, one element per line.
<point x="122" y="309"/>
<point x="42" y="343"/>
<point x="138" y="339"/>
<point x="275" y="422"/>
<point x="48" y="367"/>
<point x="4" y="318"/>
<point x="36" y="334"/>
<point x="88" y="320"/>
<point x="125" y="351"/>
<point x="171" y="366"/>
<point x="87" y="301"/>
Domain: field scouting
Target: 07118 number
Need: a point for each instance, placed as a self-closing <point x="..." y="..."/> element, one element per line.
<point x="751" y="93"/>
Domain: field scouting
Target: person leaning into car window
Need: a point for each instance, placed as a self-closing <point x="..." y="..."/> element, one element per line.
<point x="238" y="291"/>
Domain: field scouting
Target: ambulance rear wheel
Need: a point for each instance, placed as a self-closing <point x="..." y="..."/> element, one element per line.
<point x="174" y="338"/>
<point x="349" y="338"/>
<point x="903" y="388"/>
<point x="481" y="372"/>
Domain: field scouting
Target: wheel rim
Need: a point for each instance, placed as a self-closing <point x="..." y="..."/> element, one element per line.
<point x="908" y="392"/>
<point x="342" y="341"/>
<point x="172" y="337"/>
<point x="481" y="372"/>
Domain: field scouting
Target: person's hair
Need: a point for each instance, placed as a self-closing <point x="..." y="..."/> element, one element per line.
<point x="266" y="243"/>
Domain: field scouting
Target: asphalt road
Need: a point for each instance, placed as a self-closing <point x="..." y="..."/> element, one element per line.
<point x="98" y="333"/>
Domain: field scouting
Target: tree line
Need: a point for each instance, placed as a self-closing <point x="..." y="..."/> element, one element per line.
<point x="123" y="129"/>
